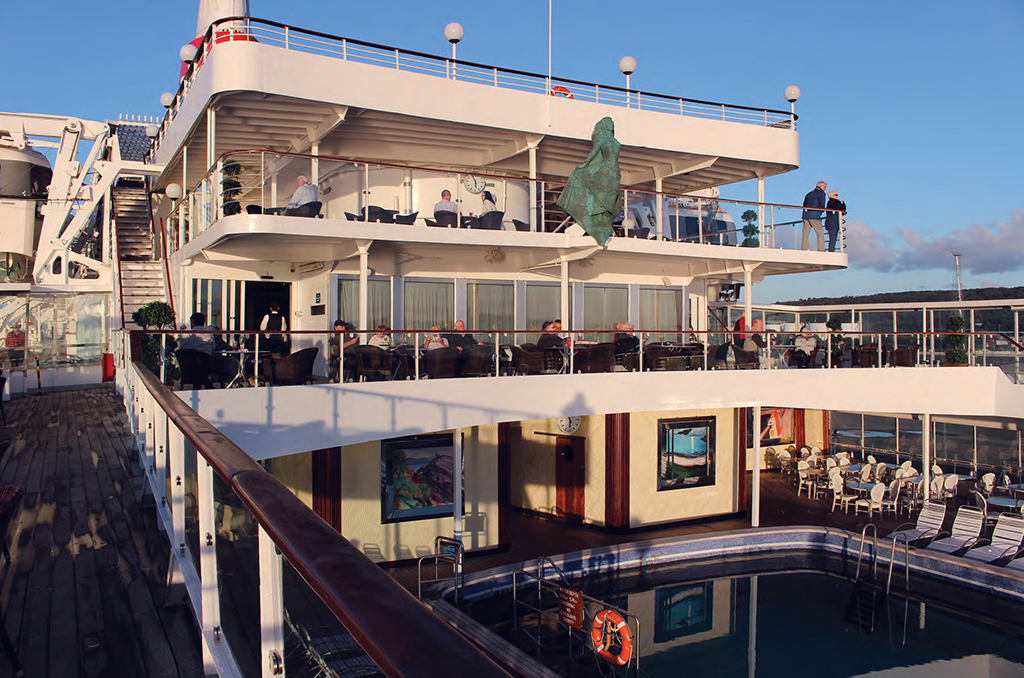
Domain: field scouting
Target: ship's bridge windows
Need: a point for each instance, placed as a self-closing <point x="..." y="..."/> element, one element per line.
<point x="662" y="310"/>
<point x="428" y="304"/>
<point x="490" y="305"/>
<point x="19" y="179"/>
<point x="603" y="308"/>
<point x="378" y="301"/>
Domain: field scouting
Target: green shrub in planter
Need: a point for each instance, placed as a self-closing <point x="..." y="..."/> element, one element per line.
<point x="956" y="353"/>
<point x="160" y="315"/>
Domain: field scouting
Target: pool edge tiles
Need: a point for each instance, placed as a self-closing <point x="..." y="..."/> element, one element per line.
<point x="673" y="550"/>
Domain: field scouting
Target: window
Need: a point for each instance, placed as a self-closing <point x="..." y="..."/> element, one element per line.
<point x="206" y="299"/>
<point x="378" y="303"/>
<point x="661" y="310"/>
<point x="603" y="308"/>
<point x="543" y="302"/>
<point x="490" y="306"/>
<point x="428" y="304"/>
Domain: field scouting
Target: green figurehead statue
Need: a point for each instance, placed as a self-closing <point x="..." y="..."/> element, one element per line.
<point x="592" y="196"/>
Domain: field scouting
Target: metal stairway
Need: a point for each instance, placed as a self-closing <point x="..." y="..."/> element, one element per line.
<point x="141" y="271"/>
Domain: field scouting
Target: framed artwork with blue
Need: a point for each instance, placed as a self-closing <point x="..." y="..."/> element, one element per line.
<point x="416" y="480"/>
<point x="686" y="453"/>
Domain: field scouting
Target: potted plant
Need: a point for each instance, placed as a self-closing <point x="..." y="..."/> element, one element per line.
<point x="956" y="341"/>
<point x="838" y="341"/>
<point x="750" y="229"/>
<point x="231" y="187"/>
<point x="160" y="315"/>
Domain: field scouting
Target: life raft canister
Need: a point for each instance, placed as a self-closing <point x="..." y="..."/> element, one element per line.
<point x="607" y="627"/>
<point x="558" y="89"/>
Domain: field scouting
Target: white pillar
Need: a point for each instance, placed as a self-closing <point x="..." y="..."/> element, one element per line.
<point x="747" y="300"/>
<point x="457" y="473"/>
<point x="755" y="495"/>
<point x="314" y="165"/>
<point x="533" y="187"/>
<point x="926" y="454"/>
<point x="660" y="211"/>
<point x="564" y="312"/>
<point x="760" y="211"/>
<point x="364" y="291"/>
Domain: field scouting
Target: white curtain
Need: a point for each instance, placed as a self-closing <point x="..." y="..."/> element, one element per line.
<point x="490" y="307"/>
<point x="662" y="311"/>
<point x="378" y="302"/>
<point x="603" y="308"/>
<point x="428" y="304"/>
<point x="543" y="302"/>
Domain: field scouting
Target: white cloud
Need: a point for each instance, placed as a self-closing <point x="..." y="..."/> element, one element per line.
<point x="993" y="248"/>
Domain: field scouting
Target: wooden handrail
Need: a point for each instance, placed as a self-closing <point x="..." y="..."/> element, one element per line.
<point x="401" y="635"/>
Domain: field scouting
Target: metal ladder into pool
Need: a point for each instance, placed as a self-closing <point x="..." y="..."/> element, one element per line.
<point x="868" y="595"/>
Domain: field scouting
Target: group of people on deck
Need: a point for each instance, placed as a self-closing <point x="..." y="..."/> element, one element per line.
<point x="814" y="203"/>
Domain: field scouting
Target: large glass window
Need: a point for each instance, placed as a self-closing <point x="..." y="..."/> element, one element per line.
<point x="490" y="306"/>
<point x="661" y="310"/>
<point x="207" y="299"/>
<point x="543" y="302"/>
<point x="428" y="304"/>
<point x="378" y="303"/>
<point x="603" y="308"/>
<point x="60" y="329"/>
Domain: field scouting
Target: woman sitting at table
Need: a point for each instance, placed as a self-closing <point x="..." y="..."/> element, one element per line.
<point x="435" y="340"/>
<point x="551" y="338"/>
<point x="488" y="203"/>
<point x="803" y="347"/>
<point x="382" y="339"/>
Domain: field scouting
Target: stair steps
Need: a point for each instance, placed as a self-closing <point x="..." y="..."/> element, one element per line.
<point x="142" y="275"/>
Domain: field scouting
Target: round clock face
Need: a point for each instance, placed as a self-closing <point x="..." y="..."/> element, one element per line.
<point x="568" y="424"/>
<point x="473" y="184"/>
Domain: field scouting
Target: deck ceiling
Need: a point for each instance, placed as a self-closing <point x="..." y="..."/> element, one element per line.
<point x="257" y="121"/>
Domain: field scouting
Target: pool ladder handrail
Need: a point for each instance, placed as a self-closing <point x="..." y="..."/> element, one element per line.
<point x="906" y="563"/>
<point x="443" y="551"/>
<point x="874" y="551"/>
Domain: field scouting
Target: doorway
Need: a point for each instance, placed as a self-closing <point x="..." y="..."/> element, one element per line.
<point x="570" y="477"/>
<point x="259" y="295"/>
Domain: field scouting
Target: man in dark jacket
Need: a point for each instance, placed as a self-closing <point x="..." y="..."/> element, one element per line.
<point x="832" y="219"/>
<point x="814" y="203"/>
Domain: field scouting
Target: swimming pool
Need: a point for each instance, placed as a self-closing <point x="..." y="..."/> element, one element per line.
<point x="775" y="602"/>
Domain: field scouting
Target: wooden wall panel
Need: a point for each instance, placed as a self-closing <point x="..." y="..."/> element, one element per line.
<point x="327" y="485"/>
<point x="616" y="469"/>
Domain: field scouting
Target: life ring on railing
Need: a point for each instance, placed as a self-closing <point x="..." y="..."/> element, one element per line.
<point x="558" y="89"/>
<point x="610" y="629"/>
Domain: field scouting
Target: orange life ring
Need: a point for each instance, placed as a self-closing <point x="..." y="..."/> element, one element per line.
<point x="608" y="627"/>
<point x="558" y="89"/>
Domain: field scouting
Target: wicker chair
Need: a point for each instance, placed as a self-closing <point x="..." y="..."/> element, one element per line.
<point x="293" y="369"/>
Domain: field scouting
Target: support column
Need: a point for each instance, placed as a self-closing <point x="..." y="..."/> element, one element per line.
<point x="314" y="165"/>
<point x="659" y="212"/>
<point x="564" y="305"/>
<point x="755" y="483"/>
<point x="364" y="288"/>
<point x="457" y="496"/>
<point x="741" y="459"/>
<point x="533" y="188"/>
<point x="504" y="475"/>
<point x="616" y="470"/>
<point x="926" y="453"/>
<point x="747" y="300"/>
<point x="760" y="211"/>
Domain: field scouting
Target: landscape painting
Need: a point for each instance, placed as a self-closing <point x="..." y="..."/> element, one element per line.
<point x="686" y="453"/>
<point x="417" y="478"/>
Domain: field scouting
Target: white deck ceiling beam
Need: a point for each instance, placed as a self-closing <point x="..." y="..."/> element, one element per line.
<point x="514" y="147"/>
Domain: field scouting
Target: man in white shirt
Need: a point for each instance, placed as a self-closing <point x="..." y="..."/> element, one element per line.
<point x="445" y="204"/>
<point x="275" y="322"/>
<point x="305" y="192"/>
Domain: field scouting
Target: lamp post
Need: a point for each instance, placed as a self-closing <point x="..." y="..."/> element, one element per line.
<point x="453" y="33"/>
<point x="792" y="93"/>
<point x="627" y="65"/>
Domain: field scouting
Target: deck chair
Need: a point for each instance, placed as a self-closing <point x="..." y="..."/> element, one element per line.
<point x="802" y="468"/>
<point x="929" y="523"/>
<point x="1006" y="540"/>
<point x="949" y="484"/>
<point x="838" y="496"/>
<point x="872" y="503"/>
<point x="987" y="484"/>
<point x="966" y="531"/>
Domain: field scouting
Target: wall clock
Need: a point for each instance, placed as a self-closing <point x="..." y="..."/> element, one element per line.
<point x="568" y="424"/>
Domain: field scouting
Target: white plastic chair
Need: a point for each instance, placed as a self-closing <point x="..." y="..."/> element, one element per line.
<point x="839" y="498"/>
<point x="907" y="465"/>
<point x="987" y="484"/>
<point x="830" y="463"/>
<point x="802" y="468"/>
<point x="937" y="470"/>
<point x="872" y="503"/>
<point x="872" y="460"/>
<point x="890" y="502"/>
<point x="949" y="484"/>
<point x="966" y="530"/>
<point x="865" y="473"/>
<point x="935" y="489"/>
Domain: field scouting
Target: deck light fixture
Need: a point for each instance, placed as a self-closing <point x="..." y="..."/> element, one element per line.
<point x="792" y="93"/>
<point x="627" y="65"/>
<point x="188" y="53"/>
<point x="166" y="99"/>
<point x="152" y="131"/>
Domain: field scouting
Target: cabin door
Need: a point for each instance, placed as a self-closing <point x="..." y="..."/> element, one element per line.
<point x="258" y="297"/>
<point x="570" y="477"/>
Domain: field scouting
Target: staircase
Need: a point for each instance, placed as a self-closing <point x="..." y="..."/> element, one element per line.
<point x="141" y="271"/>
<point x="863" y="606"/>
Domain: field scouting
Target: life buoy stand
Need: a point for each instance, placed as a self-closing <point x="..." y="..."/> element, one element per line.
<point x="608" y="631"/>
<point x="559" y="90"/>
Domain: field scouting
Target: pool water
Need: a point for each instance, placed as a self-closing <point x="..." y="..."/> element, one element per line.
<point x="783" y="623"/>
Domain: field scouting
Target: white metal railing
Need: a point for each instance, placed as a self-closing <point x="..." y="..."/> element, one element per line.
<point x="312" y="42"/>
<point x="682" y="218"/>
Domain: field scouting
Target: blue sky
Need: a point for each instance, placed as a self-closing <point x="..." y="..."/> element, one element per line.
<point x="911" y="110"/>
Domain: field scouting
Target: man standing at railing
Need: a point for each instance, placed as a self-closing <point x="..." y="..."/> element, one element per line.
<point x="832" y="220"/>
<point x="814" y="203"/>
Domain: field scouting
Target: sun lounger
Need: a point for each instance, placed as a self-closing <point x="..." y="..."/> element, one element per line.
<point x="965" y="532"/>
<point x="929" y="523"/>
<point x="1006" y="540"/>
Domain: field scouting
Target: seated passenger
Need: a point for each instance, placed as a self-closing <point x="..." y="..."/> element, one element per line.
<point x="305" y="192"/>
<point x="445" y="204"/>
<point x="382" y="339"/>
<point x="803" y="347"/>
<point x="435" y="340"/>
<point x="338" y="342"/>
<point x="755" y="342"/>
<point x="551" y="338"/>
<point x="488" y="203"/>
<point x="197" y="342"/>
<point x="460" y="339"/>
<point x="625" y="340"/>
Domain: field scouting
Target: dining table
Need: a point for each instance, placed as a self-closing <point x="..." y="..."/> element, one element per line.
<point x="1005" y="502"/>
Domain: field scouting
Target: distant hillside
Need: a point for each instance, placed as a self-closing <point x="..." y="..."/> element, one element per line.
<point x="980" y="294"/>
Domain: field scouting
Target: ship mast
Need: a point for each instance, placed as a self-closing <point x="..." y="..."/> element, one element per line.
<point x="959" y="285"/>
<point x="214" y="10"/>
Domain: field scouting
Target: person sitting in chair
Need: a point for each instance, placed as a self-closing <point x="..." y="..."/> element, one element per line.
<point x="551" y="337"/>
<point x="435" y="340"/>
<point x="460" y="339"/>
<point x="305" y="192"/>
<point x="803" y="347"/>
<point x="625" y="340"/>
<point x="445" y="204"/>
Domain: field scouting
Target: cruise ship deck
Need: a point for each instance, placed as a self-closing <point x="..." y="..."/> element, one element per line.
<point x="85" y="593"/>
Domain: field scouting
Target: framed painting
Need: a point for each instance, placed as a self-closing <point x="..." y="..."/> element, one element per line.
<point x="683" y="611"/>
<point x="416" y="479"/>
<point x="686" y="453"/>
<point x="776" y="426"/>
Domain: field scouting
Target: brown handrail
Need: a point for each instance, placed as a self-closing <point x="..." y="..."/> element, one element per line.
<point x="401" y="636"/>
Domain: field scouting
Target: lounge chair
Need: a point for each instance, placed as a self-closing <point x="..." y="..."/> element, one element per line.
<point x="1006" y="540"/>
<point x="965" y="532"/>
<point x="929" y="523"/>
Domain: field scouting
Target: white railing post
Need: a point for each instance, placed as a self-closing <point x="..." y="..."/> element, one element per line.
<point x="416" y="348"/>
<point x="271" y="607"/>
<point x="211" y="629"/>
<point x="176" y="447"/>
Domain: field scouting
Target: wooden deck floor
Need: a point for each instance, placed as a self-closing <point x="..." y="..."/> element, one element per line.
<point x="81" y="595"/>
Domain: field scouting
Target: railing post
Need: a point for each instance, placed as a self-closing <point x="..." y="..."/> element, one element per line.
<point x="416" y="355"/>
<point x="256" y="361"/>
<point x="176" y="448"/>
<point x="208" y="554"/>
<point x="163" y="358"/>
<point x="271" y="607"/>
